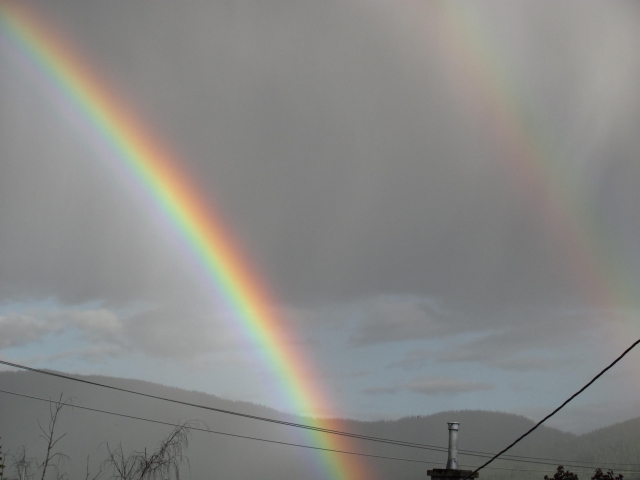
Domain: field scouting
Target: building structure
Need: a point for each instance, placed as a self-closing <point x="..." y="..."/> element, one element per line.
<point x="452" y="471"/>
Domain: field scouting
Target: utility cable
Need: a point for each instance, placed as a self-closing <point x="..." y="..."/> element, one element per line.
<point x="206" y="430"/>
<point x="229" y="412"/>
<point x="555" y="461"/>
<point x="556" y="410"/>
<point x="246" y="437"/>
<point x="514" y="458"/>
<point x="235" y="413"/>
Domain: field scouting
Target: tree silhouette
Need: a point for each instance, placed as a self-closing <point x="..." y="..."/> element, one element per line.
<point x="600" y="475"/>
<point x="561" y="474"/>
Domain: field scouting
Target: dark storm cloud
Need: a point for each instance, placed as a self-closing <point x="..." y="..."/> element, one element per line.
<point x="336" y="149"/>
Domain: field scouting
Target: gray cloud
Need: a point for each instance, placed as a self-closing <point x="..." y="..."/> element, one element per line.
<point x="176" y="332"/>
<point x="93" y="354"/>
<point x="96" y="326"/>
<point x="336" y="150"/>
<point x="417" y="360"/>
<point x="18" y="330"/>
<point x="392" y="319"/>
<point x="540" y="342"/>
<point x="393" y="190"/>
<point x="530" y="363"/>
<point x="548" y="334"/>
<point x="380" y="390"/>
<point x="445" y="386"/>
<point x="167" y="333"/>
<point x="432" y="386"/>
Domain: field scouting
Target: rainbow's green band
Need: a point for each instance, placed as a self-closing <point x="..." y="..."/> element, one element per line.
<point x="524" y="150"/>
<point x="148" y="163"/>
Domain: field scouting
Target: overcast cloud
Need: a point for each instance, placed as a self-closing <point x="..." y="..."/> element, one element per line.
<point x="433" y="235"/>
<point x="432" y="386"/>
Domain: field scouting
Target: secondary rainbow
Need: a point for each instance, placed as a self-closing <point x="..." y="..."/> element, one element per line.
<point x="523" y="147"/>
<point x="55" y="66"/>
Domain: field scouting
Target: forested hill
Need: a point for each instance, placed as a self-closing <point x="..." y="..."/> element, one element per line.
<point x="214" y="456"/>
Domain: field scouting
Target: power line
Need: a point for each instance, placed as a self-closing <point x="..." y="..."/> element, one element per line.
<point x="516" y="458"/>
<point x="239" y="414"/>
<point x="229" y="412"/>
<point x="473" y="453"/>
<point x="246" y="437"/>
<point x="556" y="462"/>
<point x="206" y="430"/>
<point x="556" y="410"/>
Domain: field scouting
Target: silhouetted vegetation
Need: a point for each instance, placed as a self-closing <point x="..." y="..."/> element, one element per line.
<point x="599" y="475"/>
<point x="1" y="463"/>
<point x="161" y="464"/>
<point x="562" y="474"/>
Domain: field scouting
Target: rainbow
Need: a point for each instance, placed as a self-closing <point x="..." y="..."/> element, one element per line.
<point x="149" y="165"/>
<point x="524" y="148"/>
<point x="141" y="157"/>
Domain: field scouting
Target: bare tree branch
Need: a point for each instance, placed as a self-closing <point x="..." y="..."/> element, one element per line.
<point x="163" y="463"/>
<point x="53" y="459"/>
<point x="22" y="465"/>
<point x="2" y="457"/>
<point x="96" y="476"/>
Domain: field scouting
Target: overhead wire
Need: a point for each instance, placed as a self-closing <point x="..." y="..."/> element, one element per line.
<point x="206" y="430"/>
<point x="247" y="437"/>
<point x="556" y="461"/>
<point x="473" y="453"/>
<point x="521" y="437"/>
<point x="228" y="412"/>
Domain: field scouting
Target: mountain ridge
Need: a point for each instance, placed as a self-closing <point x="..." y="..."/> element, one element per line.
<point x="483" y="431"/>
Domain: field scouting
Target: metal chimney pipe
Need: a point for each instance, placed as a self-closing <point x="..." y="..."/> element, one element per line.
<point x="452" y="461"/>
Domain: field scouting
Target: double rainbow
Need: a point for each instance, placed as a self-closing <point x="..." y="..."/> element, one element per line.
<point x="146" y="162"/>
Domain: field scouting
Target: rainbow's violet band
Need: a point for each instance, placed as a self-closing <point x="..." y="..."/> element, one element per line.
<point x="146" y="162"/>
<point x="524" y="149"/>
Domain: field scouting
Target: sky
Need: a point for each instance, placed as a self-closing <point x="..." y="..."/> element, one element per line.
<point x="441" y="198"/>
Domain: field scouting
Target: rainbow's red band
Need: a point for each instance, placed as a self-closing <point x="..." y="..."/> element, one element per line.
<point x="529" y="160"/>
<point x="148" y="163"/>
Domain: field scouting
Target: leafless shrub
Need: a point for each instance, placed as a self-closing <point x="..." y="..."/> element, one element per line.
<point x="1" y="464"/>
<point x="96" y="476"/>
<point x="22" y="466"/>
<point x="53" y="459"/>
<point x="164" y="463"/>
